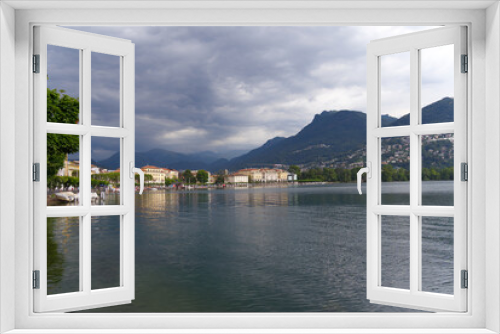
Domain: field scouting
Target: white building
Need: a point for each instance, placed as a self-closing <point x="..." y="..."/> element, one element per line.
<point x="236" y="178"/>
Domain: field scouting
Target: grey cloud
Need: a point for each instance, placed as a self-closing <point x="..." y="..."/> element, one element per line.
<point x="226" y="88"/>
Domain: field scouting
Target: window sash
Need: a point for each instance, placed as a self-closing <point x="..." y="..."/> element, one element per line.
<point x="414" y="298"/>
<point x="86" y="297"/>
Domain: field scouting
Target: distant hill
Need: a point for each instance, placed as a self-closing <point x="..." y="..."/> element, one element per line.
<point x="330" y="133"/>
<point x="387" y="120"/>
<point x="332" y="136"/>
<point x="164" y="158"/>
<point x="438" y="112"/>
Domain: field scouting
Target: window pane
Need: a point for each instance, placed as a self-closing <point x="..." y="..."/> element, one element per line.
<point x="105" y="171"/>
<point x="105" y="90"/>
<point x="63" y="255"/>
<point x="437" y="254"/>
<point x="395" y="251"/>
<point x="395" y="89"/>
<point x="437" y="169"/>
<point x="105" y="252"/>
<point x="63" y="85"/>
<point x="437" y="89"/>
<point x="395" y="171"/>
<point x="63" y="169"/>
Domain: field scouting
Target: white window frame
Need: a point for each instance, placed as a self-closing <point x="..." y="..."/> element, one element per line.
<point x="483" y="20"/>
<point x="415" y="211"/>
<point x="86" y="44"/>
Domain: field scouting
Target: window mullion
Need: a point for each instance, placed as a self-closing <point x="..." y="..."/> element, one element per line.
<point x="85" y="185"/>
<point x="414" y="171"/>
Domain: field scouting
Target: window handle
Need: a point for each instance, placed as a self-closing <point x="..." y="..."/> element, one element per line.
<point x="368" y="172"/>
<point x="139" y="171"/>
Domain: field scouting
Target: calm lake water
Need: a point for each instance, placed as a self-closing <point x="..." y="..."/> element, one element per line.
<point x="292" y="249"/>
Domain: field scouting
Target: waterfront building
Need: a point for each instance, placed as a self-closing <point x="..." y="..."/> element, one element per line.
<point x="95" y="170"/>
<point x="70" y="168"/>
<point x="171" y="173"/>
<point x="159" y="173"/>
<point x="236" y="178"/>
<point x="265" y="174"/>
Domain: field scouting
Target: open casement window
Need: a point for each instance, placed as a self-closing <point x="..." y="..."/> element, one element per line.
<point x="402" y="226"/>
<point x="101" y="213"/>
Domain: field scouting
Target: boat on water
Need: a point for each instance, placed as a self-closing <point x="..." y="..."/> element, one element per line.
<point x="66" y="196"/>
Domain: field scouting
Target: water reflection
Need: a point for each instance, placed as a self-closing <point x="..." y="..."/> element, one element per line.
<point x="295" y="249"/>
<point x="63" y="266"/>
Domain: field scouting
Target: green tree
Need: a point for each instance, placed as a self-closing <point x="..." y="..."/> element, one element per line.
<point x="330" y="174"/>
<point x="170" y="181"/>
<point x="202" y="176"/>
<point x="354" y="174"/>
<point x="295" y="170"/>
<point x="447" y="173"/>
<point x="387" y="172"/>
<point x="188" y="177"/>
<point x="402" y="175"/>
<point x="61" y="108"/>
<point x="219" y="179"/>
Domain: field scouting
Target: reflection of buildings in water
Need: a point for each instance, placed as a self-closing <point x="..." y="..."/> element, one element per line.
<point x="66" y="231"/>
<point x="63" y="248"/>
<point x="157" y="203"/>
<point x="262" y="198"/>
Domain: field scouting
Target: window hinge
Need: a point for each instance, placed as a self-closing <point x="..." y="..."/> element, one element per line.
<point x="36" y="279"/>
<point x="465" y="279"/>
<point x="36" y="172"/>
<point x="465" y="64"/>
<point x="464" y="171"/>
<point x="36" y="63"/>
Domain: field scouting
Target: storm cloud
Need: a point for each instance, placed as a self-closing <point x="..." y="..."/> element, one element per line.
<point x="233" y="88"/>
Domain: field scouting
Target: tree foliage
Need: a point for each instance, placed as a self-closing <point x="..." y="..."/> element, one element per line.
<point x="294" y="169"/>
<point x="389" y="174"/>
<point x="170" y="181"/>
<point x="188" y="176"/>
<point x="202" y="176"/>
<point x="61" y="108"/>
<point x="219" y="179"/>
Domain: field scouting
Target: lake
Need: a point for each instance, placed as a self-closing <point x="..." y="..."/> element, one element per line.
<point x="300" y="248"/>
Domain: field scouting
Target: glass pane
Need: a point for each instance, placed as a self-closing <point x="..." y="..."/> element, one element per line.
<point x="105" y="90"/>
<point x="63" y="255"/>
<point x="437" y="169"/>
<point x="63" y="85"/>
<point x="105" y="171"/>
<point x="395" y="251"/>
<point x="395" y="89"/>
<point x="63" y="169"/>
<point x="105" y="252"/>
<point x="395" y="171"/>
<point x="437" y="89"/>
<point x="437" y="254"/>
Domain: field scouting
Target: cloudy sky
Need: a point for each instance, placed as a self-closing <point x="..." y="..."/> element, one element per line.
<point x="233" y="88"/>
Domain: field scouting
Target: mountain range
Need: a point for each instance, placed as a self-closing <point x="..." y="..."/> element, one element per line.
<point x="331" y="136"/>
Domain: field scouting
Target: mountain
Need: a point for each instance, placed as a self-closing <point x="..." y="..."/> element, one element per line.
<point x="387" y="120"/>
<point x="438" y="112"/>
<point x="332" y="136"/>
<point x="329" y="134"/>
<point x="164" y="158"/>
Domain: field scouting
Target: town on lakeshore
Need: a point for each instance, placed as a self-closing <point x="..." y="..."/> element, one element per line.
<point x="395" y="167"/>
<point x="64" y="185"/>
